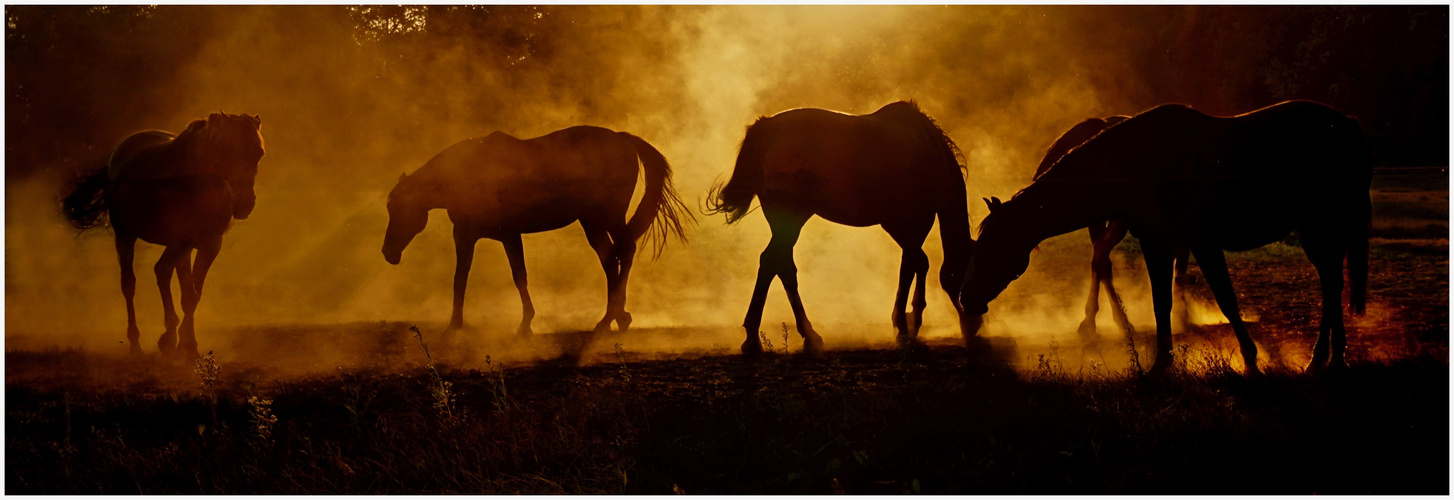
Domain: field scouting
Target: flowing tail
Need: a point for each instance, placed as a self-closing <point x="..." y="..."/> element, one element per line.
<point x="735" y="198"/>
<point x="661" y="210"/>
<point x="1362" y="156"/>
<point x="85" y="207"/>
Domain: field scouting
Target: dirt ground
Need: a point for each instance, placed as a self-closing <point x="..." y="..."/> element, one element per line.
<point x="356" y="408"/>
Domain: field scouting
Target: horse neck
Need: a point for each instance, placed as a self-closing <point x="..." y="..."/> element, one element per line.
<point x="954" y="233"/>
<point x="188" y="155"/>
<point x="430" y="188"/>
<point x="1061" y="206"/>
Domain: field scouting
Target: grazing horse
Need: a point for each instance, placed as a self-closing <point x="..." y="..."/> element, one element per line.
<point x="499" y="187"/>
<point x="894" y="168"/>
<point x="1104" y="236"/>
<point x="1188" y="180"/>
<point x="180" y="191"/>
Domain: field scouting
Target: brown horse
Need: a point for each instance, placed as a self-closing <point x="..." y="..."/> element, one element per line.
<point x="1104" y="236"/>
<point x="1209" y="184"/>
<point x="499" y="187"/>
<point x="180" y="191"/>
<point x="894" y="168"/>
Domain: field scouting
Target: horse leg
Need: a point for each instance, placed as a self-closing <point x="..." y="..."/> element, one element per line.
<point x="163" y="269"/>
<point x="917" y="317"/>
<point x="625" y="254"/>
<point x="914" y="265"/>
<point x="1158" y="268"/>
<point x="785" y="230"/>
<point x="1087" y="327"/>
<point x="901" y="299"/>
<point x="788" y="273"/>
<point x="206" y="254"/>
<point x="1179" y="312"/>
<point x="1214" y="267"/>
<point x="187" y="343"/>
<point x="600" y="240"/>
<point x="126" y="254"/>
<point x="464" y="257"/>
<point x="515" y="252"/>
<point x="1103" y="240"/>
<point x="1328" y="259"/>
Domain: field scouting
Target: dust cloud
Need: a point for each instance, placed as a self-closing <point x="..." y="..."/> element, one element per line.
<point x="351" y="97"/>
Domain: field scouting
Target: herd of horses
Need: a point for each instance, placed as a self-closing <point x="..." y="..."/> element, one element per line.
<point x="1183" y="182"/>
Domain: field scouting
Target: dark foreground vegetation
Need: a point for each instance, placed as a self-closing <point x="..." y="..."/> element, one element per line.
<point x="1003" y="418"/>
<point x="936" y="420"/>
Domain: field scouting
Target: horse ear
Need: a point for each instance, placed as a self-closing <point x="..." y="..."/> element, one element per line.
<point x="257" y="121"/>
<point x="988" y="204"/>
<point x="403" y="176"/>
<point x="214" y="119"/>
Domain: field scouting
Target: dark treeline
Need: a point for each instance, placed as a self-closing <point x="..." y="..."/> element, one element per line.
<point x="79" y="78"/>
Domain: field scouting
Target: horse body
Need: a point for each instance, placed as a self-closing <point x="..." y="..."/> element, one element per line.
<point x="1208" y="184"/>
<point x="1104" y="236"/>
<point x="818" y="158"/>
<point x="499" y="187"/>
<point x="893" y="168"/>
<point x="180" y="191"/>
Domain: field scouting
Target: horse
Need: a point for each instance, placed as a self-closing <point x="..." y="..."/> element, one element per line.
<point x="180" y="191"/>
<point x="1104" y="236"/>
<point x="894" y="168"/>
<point x="1208" y="184"/>
<point x="499" y="187"/>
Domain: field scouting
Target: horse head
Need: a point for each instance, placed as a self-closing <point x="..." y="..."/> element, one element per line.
<point x="1000" y="256"/>
<point x="235" y="147"/>
<point x="408" y="213"/>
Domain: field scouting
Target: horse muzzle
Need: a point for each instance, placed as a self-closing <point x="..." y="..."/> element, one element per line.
<point x="243" y="208"/>
<point x="393" y="257"/>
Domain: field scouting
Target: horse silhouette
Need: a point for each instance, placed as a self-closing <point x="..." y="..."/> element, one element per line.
<point x="1104" y="236"/>
<point x="180" y="191"/>
<point x="894" y="168"/>
<point x="499" y="187"/>
<point x="1188" y="180"/>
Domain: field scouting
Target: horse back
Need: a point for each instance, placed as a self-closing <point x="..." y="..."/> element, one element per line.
<point x="856" y="170"/>
<point x="128" y="159"/>
<point x="538" y="184"/>
<point x="1259" y="175"/>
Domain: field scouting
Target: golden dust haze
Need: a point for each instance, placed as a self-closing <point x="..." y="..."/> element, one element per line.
<point x="350" y="98"/>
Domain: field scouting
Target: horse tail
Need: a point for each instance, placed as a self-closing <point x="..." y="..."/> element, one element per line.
<point x="1351" y="134"/>
<point x="661" y="210"/>
<point x="85" y="206"/>
<point x="735" y="198"/>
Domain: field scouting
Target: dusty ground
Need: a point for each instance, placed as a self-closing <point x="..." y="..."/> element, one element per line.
<point x="354" y="409"/>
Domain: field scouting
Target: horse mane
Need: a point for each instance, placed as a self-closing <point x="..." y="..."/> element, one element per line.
<point x="947" y="147"/>
<point x="1120" y="127"/>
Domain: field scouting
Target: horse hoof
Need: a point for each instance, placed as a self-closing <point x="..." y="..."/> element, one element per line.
<point x="167" y="344"/>
<point x="906" y="339"/>
<point x="753" y="347"/>
<point x="812" y="348"/>
<point x="623" y="321"/>
<point x="1087" y="329"/>
<point x="1316" y="365"/>
<point x="1159" y="367"/>
<point x="969" y="327"/>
